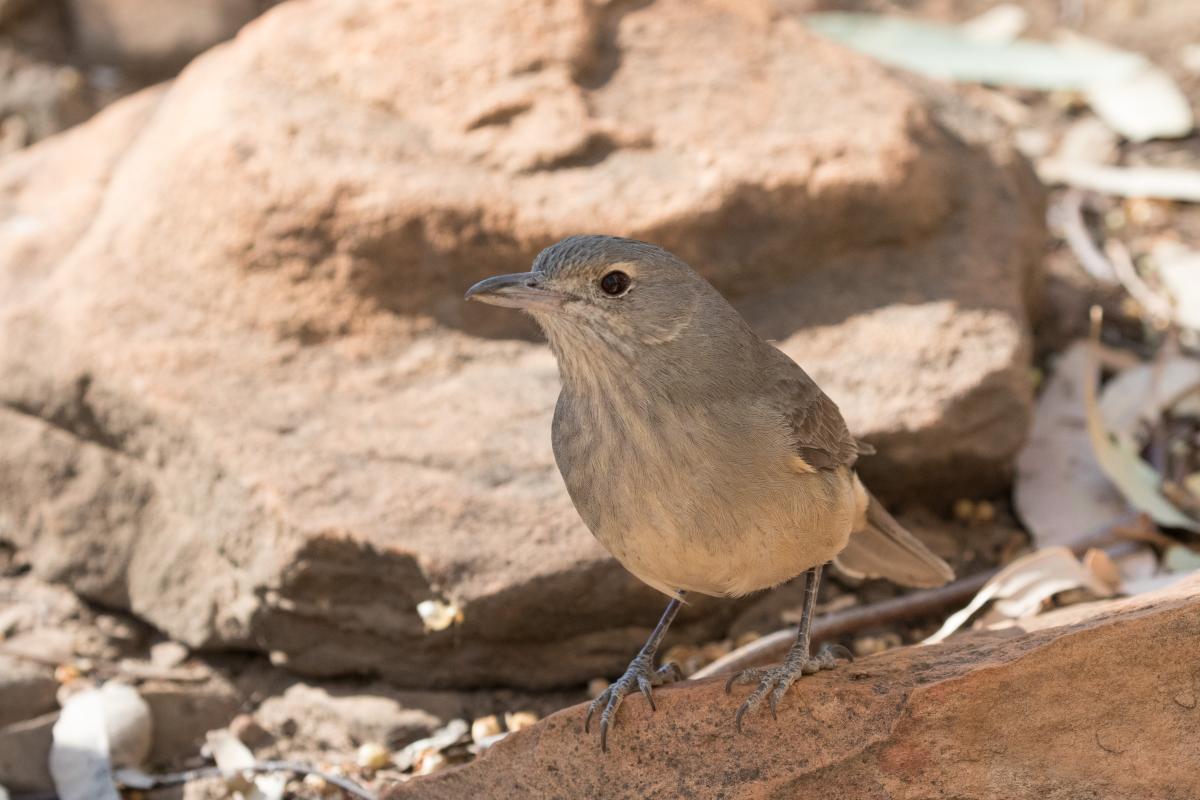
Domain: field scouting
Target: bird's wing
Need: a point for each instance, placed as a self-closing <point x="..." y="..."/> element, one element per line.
<point x="819" y="432"/>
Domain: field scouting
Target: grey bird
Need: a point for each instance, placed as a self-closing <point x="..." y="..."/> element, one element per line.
<point x="703" y="458"/>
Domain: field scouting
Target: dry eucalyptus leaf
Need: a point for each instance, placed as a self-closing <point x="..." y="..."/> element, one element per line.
<point x="1118" y="457"/>
<point x="1061" y="494"/>
<point x="1138" y="396"/>
<point x="1169" y="183"/>
<point x="1100" y="564"/>
<point x="1181" y="559"/>
<point x="1020" y="588"/>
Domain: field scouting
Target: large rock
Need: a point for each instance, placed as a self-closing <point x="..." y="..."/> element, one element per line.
<point x="27" y="689"/>
<point x="243" y="398"/>
<point x="1092" y="702"/>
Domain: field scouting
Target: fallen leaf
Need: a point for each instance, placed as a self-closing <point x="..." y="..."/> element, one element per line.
<point x="1142" y="105"/>
<point x="1137" y="397"/>
<point x="1179" y="270"/>
<point x="1134" y="97"/>
<point x="1118" y="457"/>
<point x="97" y="729"/>
<point x="944" y="51"/>
<point x="1181" y="559"/>
<point x="1163" y="182"/>
<point x="1000" y="23"/>
<point x="1060" y="493"/>
<point x="233" y="756"/>
<point x="1020" y="588"/>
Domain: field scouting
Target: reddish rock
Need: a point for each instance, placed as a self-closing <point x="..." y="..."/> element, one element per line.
<point x="1097" y="701"/>
<point x="242" y="395"/>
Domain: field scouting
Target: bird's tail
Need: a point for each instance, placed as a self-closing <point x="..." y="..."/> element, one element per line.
<point x="882" y="548"/>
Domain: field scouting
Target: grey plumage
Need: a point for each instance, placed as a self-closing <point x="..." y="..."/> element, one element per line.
<point x="701" y="456"/>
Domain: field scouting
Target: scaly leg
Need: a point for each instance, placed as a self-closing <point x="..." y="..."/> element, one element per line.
<point x="639" y="676"/>
<point x="774" y="681"/>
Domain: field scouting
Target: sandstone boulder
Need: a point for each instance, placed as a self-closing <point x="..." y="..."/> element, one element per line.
<point x="241" y="394"/>
<point x="1094" y="701"/>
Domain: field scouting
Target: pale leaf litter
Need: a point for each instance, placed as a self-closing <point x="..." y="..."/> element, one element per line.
<point x="1082" y="468"/>
<point x="1134" y="97"/>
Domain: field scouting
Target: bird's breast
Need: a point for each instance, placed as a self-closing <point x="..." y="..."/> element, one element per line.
<point x="699" y="496"/>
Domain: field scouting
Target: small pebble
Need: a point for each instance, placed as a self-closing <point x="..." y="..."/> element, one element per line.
<point x="484" y="727"/>
<point x="249" y="732"/>
<point x="596" y="686"/>
<point x="65" y="673"/>
<point x="168" y="654"/>
<point x="964" y="509"/>
<point x="372" y="755"/>
<point x="318" y="784"/>
<point x="519" y="720"/>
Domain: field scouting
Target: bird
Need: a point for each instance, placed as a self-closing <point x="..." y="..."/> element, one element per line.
<point x="702" y="457"/>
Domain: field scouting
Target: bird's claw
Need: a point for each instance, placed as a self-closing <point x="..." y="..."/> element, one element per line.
<point x="639" y="676"/>
<point x="773" y="682"/>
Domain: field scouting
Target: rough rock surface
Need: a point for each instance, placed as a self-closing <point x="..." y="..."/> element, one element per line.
<point x="25" y="753"/>
<point x="26" y="690"/>
<point x="242" y="396"/>
<point x="1002" y="714"/>
<point x="314" y="717"/>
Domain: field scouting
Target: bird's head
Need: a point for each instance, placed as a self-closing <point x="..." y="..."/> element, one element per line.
<point x="602" y="294"/>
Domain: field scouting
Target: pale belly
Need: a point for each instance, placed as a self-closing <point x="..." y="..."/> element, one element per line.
<point x="691" y="504"/>
<point x="766" y="544"/>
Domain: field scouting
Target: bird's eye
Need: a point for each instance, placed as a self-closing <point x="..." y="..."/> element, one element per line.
<point x="614" y="283"/>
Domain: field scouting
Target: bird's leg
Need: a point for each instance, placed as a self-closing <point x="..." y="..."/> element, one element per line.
<point x="639" y="676"/>
<point x="774" y="681"/>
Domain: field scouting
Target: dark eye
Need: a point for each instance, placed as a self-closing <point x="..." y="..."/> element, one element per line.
<point x="615" y="283"/>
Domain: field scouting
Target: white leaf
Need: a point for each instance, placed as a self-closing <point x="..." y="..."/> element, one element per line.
<point x="1118" y="457"/>
<point x="1167" y="183"/>
<point x="97" y="728"/>
<point x="1179" y="270"/>
<point x="1002" y="23"/>
<point x="1020" y="588"/>
<point x="1129" y="93"/>
<point x="232" y="755"/>
<point x="228" y="751"/>
<point x="945" y="51"/>
<point x="1137" y="396"/>
<point x="1061" y="494"/>
<point x="1146" y="105"/>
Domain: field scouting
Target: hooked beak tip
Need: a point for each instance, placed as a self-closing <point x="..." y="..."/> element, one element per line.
<point x="522" y="290"/>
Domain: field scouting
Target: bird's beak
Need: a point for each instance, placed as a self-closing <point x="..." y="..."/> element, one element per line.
<point x="519" y="290"/>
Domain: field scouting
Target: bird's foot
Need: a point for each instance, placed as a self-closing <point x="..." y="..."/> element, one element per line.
<point x="639" y="676"/>
<point x="773" y="682"/>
